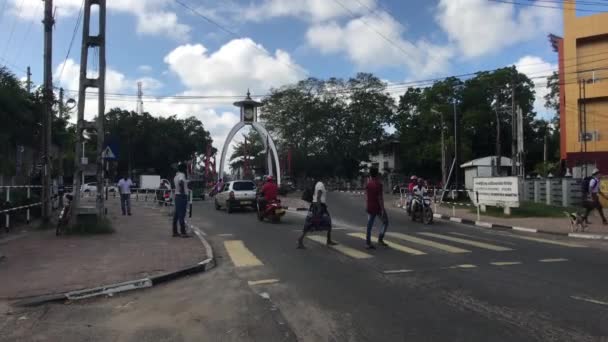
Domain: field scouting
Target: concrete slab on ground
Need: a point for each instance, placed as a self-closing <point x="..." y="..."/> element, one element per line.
<point x="41" y="263"/>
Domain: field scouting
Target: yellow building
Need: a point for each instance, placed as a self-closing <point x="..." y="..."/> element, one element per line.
<point x="583" y="69"/>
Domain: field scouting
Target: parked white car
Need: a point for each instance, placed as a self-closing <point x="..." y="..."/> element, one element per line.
<point x="92" y="187"/>
<point x="236" y="194"/>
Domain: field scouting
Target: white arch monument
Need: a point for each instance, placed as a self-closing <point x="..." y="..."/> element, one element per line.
<point x="249" y="116"/>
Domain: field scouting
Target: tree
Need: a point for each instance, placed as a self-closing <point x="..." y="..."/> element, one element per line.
<point x="154" y="144"/>
<point x="332" y="125"/>
<point x="421" y="111"/>
<point x="253" y="150"/>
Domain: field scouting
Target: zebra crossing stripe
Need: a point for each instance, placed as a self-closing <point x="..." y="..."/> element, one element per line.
<point x="351" y="252"/>
<point x="428" y="243"/>
<point x="469" y="242"/>
<point x="392" y="245"/>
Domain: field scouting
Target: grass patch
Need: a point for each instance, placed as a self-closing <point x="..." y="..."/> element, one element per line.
<point x="527" y="209"/>
<point x="91" y="226"/>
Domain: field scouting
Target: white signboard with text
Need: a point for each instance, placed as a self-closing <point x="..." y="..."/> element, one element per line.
<point x="496" y="191"/>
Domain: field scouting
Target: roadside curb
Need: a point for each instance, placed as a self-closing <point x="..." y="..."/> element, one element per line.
<point x="496" y="226"/>
<point x="110" y="290"/>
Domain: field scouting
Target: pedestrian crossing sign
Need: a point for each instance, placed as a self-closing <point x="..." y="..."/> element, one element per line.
<point x="108" y="154"/>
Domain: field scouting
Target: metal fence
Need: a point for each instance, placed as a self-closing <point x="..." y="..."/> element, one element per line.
<point x="12" y="205"/>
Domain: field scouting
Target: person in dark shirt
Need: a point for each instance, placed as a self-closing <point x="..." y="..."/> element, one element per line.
<point x="375" y="207"/>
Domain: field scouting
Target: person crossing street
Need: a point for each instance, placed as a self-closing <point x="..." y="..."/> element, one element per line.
<point x="317" y="212"/>
<point x="375" y="207"/>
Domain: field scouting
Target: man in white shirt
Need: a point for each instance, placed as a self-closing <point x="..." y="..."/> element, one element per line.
<point x="318" y="208"/>
<point x="181" y="201"/>
<point x="124" y="188"/>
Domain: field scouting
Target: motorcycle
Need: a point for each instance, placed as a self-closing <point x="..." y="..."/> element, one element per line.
<point x="420" y="208"/>
<point x="273" y="211"/>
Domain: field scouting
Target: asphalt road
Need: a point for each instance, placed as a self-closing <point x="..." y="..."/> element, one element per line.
<point x="442" y="282"/>
<point x="475" y="285"/>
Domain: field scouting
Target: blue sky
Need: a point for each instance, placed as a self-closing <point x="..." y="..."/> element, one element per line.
<point x="275" y="42"/>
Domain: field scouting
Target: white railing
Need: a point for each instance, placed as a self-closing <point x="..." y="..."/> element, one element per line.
<point x="8" y="210"/>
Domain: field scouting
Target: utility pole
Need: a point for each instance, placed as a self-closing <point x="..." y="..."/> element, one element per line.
<point x="48" y="109"/>
<point x="140" y="101"/>
<point x="498" y="149"/>
<point x="443" y="161"/>
<point x="585" y="135"/>
<point x="60" y="153"/>
<point x="520" y="143"/>
<point x="28" y="83"/>
<point x="456" y="149"/>
<point x="89" y="41"/>
<point x="443" y="152"/>
<point x="513" y="130"/>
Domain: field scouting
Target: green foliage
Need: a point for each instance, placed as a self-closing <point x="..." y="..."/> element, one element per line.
<point x="332" y="125"/>
<point x="21" y="114"/>
<point x="252" y="149"/>
<point x="422" y="110"/>
<point x="155" y="143"/>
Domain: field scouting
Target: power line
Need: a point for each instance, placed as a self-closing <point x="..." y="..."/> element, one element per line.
<point x="234" y="34"/>
<point x="27" y="33"/>
<point x="390" y="41"/>
<point x="559" y="2"/>
<point x="76" y="26"/>
<point x="545" y="6"/>
<point x="7" y="62"/>
<point x="12" y="31"/>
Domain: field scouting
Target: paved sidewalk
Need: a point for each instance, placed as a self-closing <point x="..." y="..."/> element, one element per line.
<point x="550" y="224"/>
<point x="38" y="262"/>
<point x="545" y="224"/>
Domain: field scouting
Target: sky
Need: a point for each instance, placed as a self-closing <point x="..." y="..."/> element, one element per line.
<point x="224" y="48"/>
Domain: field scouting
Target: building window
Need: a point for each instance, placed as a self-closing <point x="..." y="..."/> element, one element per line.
<point x="386" y="165"/>
<point x="375" y="165"/>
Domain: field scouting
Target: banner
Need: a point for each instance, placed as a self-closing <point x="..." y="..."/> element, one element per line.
<point x="496" y="191"/>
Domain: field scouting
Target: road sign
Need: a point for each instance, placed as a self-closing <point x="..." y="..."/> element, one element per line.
<point x="110" y="152"/>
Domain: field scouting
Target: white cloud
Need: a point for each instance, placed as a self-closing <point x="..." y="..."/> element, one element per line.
<point x="480" y="27"/>
<point x="376" y="41"/>
<point x="314" y="10"/>
<point x="238" y="65"/>
<point x="162" y="22"/>
<point x="152" y="16"/>
<point x="533" y="67"/>
<point x="231" y="70"/>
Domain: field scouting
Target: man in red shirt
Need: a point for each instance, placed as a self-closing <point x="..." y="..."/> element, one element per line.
<point x="270" y="190"/>
<point x="375" y="207"/>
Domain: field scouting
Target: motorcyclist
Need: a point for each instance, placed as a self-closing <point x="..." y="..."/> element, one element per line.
<point x="410" y="191"/>
<point x="419" y="189"/>
<point x="268" y="193"/>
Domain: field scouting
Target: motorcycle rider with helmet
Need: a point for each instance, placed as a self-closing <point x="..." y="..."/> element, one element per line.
<point x="410" y="191"/>
<point x="268" y="193"/>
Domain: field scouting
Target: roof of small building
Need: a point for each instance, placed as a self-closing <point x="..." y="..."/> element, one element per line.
<point x="487" y="161"/>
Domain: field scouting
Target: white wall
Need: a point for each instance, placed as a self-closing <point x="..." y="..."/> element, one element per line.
<point x="381" y="158"/>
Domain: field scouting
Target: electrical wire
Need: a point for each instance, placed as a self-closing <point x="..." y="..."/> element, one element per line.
<point x="544" y="6"/>
<point x="76" y="26"/>
<point x="12" y="31"/>
<point x="390" y="41"/>
<point x="234" y="34"/>
<point x="27" y="34"/>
